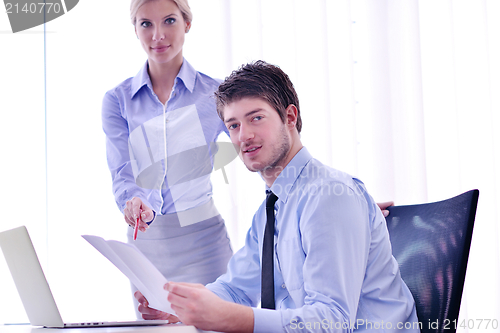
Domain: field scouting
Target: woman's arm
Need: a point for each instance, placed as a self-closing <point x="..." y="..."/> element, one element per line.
<point x="130" y="198"/>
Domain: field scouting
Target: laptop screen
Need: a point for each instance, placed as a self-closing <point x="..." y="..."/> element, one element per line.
<point x="29" y="278"/>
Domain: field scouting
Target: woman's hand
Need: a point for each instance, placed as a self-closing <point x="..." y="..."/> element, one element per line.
<point x="134" y="209"/>
<point x="150" y="313"/>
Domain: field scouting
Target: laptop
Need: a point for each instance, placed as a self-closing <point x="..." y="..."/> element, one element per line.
<point x="34" y="289"/>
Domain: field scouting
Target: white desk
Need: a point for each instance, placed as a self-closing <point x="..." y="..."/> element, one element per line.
<point x="174" y="328"/>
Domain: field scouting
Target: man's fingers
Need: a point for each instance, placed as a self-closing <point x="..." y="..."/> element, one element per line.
<point x="163" y="316"/>
<point x="177" y="294"/>
<point x="384" y="205"/>
<point x="146" y="310"/>
<point x="182" y="295"/>
<point x="150" y="313"/>
<point x="172" y="319"/>
<point x="188" y="284"/>
<point x="177" y="302"/>
<point x="182" y="286"/>
<point x="176" y="288"/>
<point x="140" y="298"/>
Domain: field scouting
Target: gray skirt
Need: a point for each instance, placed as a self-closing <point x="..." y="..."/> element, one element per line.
<point x="197" y="253"/>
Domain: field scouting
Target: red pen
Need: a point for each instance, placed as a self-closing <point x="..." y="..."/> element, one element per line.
<point x="136" y="228"/>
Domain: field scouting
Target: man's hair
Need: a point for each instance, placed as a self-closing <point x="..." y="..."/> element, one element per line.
<point x="259" y="80"/>
<point x="182" y="4"/>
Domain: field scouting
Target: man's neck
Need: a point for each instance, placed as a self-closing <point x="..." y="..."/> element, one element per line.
<point x="270" y="174"/>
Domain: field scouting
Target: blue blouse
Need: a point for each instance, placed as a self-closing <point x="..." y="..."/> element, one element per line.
<point x="141" y="132"/>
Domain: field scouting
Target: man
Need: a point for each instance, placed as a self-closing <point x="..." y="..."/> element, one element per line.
<point x="331" y="266"/>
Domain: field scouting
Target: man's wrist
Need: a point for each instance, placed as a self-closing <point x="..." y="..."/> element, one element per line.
<point x="237" y="318"/>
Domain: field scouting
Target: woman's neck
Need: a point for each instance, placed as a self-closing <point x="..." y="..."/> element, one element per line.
<point x="163" y="76"/>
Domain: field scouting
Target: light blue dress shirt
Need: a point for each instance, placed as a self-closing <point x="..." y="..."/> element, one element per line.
<point x="333" y="270"/>
<point x="141" y="132"/>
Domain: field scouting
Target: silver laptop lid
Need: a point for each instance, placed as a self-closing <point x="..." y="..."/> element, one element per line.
<point x="29" y="279"/>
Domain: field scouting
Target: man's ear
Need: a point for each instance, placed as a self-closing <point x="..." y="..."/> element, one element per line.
<point x="291" y="116"/>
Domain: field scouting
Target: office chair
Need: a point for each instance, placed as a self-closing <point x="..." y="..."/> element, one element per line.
<point x="431" y="243"/>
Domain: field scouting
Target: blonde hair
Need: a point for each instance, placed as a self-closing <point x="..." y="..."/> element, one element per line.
<point x="182" y="4"/>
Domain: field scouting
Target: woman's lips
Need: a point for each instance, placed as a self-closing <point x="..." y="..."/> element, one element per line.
<point x="160" y="49"/>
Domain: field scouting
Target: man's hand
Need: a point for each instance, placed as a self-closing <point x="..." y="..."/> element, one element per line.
<point x="152" y="314"/>
<point x="134" y="209"/>
<point x="383" y="207"/>
<point x="196" y="305"/>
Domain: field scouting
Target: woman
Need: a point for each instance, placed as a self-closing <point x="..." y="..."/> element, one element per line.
<point x="161" y="127"/>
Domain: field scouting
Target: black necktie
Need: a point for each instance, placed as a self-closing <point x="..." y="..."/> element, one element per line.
<point x="267" y="291"/>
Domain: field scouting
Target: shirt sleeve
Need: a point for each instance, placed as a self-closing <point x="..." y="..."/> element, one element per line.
<point x="241" y="283"/>
<point x="117" y="153"/>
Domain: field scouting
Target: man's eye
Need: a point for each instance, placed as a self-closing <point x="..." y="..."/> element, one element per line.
<point x="170" y="20"/>
<point x="257" y="118"/>
<point x="233" y="126"/>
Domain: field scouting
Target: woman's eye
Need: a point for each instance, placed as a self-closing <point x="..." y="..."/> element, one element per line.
<point x="170" y="20"/>
<point x="145" y="24"/>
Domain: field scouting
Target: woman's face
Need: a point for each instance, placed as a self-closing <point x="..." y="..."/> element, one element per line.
<point x="161" y="29"/>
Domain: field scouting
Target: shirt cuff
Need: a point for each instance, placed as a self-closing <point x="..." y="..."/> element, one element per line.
<point x="266" y="320"/>
<point x="154" y="216"/>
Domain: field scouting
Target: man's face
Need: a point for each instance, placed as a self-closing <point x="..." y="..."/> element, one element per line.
<point x="256" y="127"/>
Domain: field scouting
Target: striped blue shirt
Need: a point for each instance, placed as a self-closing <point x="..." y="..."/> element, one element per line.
<point x="141" y="132"/>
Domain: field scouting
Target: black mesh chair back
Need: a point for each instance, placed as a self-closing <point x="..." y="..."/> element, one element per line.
<point x="431" y="243"/>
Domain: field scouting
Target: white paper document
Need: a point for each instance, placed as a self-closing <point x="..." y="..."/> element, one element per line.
<point x="134" y="264"/>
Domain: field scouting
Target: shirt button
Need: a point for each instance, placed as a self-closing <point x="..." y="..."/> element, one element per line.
<point x="283" y="286"/>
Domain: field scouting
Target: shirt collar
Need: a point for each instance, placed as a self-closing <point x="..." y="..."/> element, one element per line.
<point x="141" y="79"/>
<point x="287" y="178"/>
<point x="187" y="75"/>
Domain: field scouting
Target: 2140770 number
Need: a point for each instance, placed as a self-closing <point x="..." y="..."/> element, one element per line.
<point x="33" y="8"/>
<point x="471" y="324"/>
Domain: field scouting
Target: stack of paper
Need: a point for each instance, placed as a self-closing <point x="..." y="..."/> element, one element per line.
<point x="134" y="264"/>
